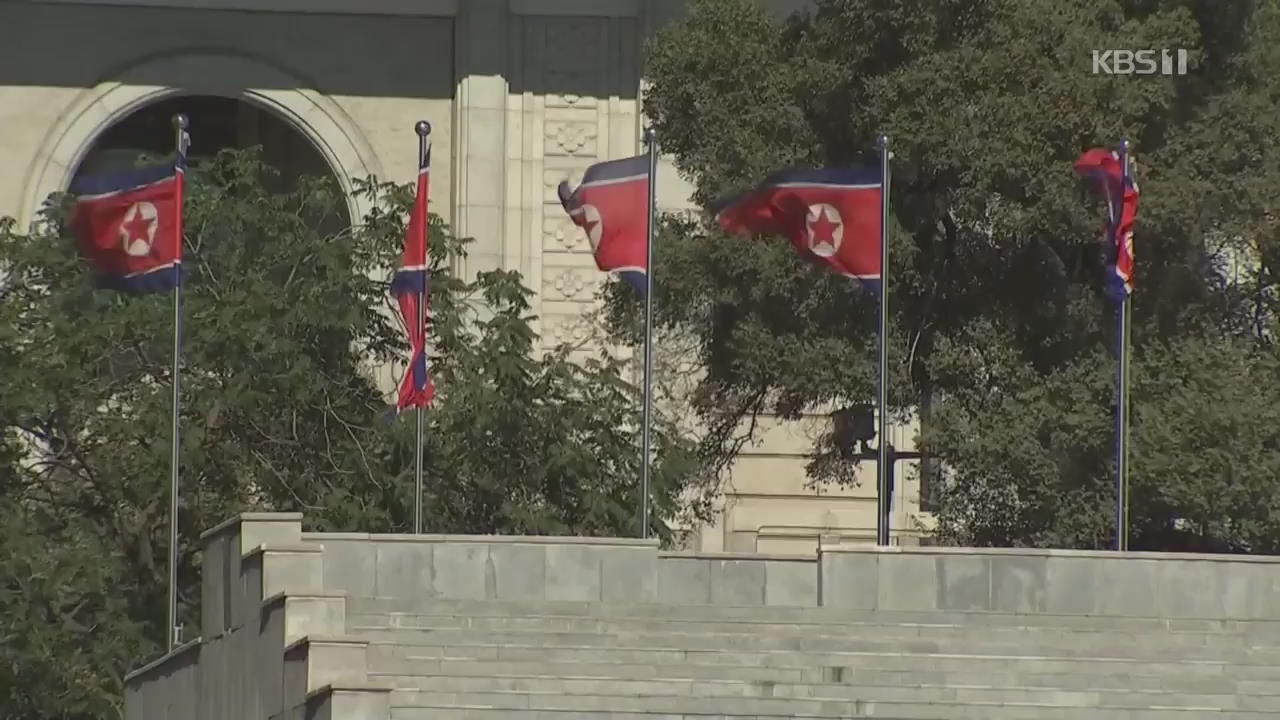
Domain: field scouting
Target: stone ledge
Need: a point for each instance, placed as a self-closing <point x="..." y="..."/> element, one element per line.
<point x="759" y="557"/>
<point x="164" y="659"/>
<point x="494" y="539"/>
<point x="370" y="686"/>
<point x="293" y="548"/>
<point x="1048" y="553"/>
<point x="254" y="517"/>
<point x="325" y="640"/>
<point x="318" y="594"/>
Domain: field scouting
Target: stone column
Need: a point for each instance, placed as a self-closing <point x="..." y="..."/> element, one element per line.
<point x="480" y="131"/>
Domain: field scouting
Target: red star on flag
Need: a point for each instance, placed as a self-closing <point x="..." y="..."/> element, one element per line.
<point x="137" y="228"/>
<point x="823" y="229"/>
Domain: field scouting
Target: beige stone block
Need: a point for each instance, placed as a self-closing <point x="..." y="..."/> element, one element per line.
<point x="518" y="192"/>
<point x="521" y="143"/>
<point x="483" y="133"/>
<point x="517" y="254"/>
<point x="484" y="224"/>
<point x="597" y="114"/>
<point x="825" y="514"/>
<point x="801" y="544"/>
<point x="785" y="477"/>
<point x="483" y="92"/>
<point x="485" y="189"/>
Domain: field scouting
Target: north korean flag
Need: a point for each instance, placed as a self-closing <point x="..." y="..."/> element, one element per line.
<point x="409" y="286"/>
<point x="830" y="215"/>
<point x="612" y="206"/>
<point x="129" y="227"/>
<point x="1106" y="167"/>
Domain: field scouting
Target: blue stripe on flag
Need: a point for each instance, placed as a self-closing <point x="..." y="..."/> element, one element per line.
<point x="158" y="280"/>
<point x="409" y="281"/>
<point x="637" y="280"/>
<point x="420" y="371"/>
<point x="617" y="169"/>
<point x="117" y="182"/>
<point x="855" y="176"/>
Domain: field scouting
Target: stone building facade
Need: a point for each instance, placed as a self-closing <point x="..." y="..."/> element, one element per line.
<point x="521" y="94"/>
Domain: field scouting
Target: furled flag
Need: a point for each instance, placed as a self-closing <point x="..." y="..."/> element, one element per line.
<point x="129" y="226"/>
<point x="831" y="216"/>
<point x="410" y="288"/>
<point x="612" y="206"/>
<point x="1121" y="192"/>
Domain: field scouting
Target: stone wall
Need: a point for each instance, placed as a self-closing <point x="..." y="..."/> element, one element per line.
<point x="907" y="579"/>
<point x="273" y="595"/>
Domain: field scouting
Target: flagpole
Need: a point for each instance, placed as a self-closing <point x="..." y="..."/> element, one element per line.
<point x="180" y="129"/>
<point x="1123" y="318"/>
<point x="883" y="507"/>
<point x="423" y="128"/>
<point x="651" y="140"/>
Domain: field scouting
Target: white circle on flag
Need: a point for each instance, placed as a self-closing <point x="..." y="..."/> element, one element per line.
<point x="825" y="229"/>
<point x="138" y="231"/>
<point x="593" y="224"/>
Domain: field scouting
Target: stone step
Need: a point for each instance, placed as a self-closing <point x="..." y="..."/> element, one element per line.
<point x="854" y="661"/>
<point x="823" y="616"/>
<point x="989" y="694"/>
<point x="392" y="667"/>
<point x="414" y="705"/>
<point x="412" y="666"/>
<point x="474" y="713"/>
<point x="784" y="642"/>
<point x="739" y="635"/>
<point x="1069" y="635"/>
<point x="618" y="703"/>
<point x="813" y="619"/>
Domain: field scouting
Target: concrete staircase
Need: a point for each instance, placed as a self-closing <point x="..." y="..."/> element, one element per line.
<point x="524" y="660"/>
<point x="440" y="628"/>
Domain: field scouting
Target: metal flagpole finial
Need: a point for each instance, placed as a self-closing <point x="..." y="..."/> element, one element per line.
<point x="882" y="141"/>
<point x="180" y="121"/>
<point x="650" y="136"/>
<point x="422" y="127"/>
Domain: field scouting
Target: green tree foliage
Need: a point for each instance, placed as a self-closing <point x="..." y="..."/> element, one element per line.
<point x="1000" y="334"/>
<point x="282" y="325"/>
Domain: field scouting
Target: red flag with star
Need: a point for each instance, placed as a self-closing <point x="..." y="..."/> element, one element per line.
<point x="611" y="206"/>
<point x="830" y="215"/>
<point x="410" y="286"/>
<point x="1121" y="192"/>
<point x="129" y="227"/>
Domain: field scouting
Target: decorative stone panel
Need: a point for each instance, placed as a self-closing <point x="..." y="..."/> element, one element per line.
<point x="559" y="234"/>
<point x="571" y="138"/>
<point x="565" y="329"/>
<point x="570" y="283"/>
